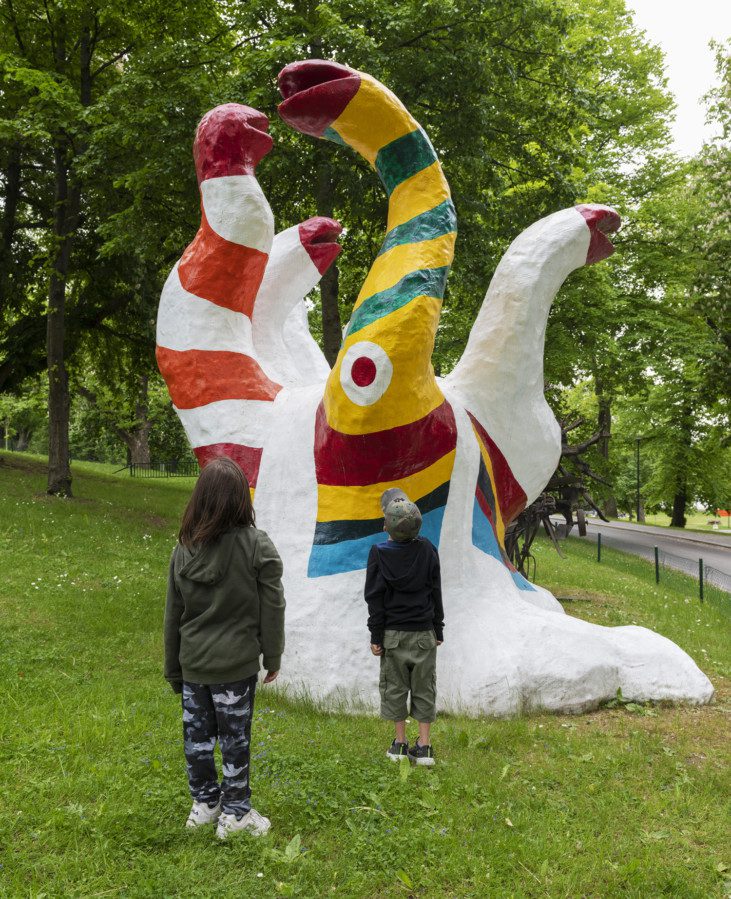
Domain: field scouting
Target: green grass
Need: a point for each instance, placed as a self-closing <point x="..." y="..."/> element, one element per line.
<point x="619" y="802"/>
<point x="696" y="522"/>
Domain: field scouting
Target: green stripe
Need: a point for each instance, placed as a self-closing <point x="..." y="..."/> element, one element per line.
<point x="403" y="158"/>
<point x="428" y="282"/>
<point x="435" y="222"/>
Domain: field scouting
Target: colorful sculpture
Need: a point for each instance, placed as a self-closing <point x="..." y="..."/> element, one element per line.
<point x="321" y="446"/>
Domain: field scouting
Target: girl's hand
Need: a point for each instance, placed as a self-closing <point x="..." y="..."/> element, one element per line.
<point x="376" y="649"/>
<point x="271" y="676"/>
<point x="439" y="642"/>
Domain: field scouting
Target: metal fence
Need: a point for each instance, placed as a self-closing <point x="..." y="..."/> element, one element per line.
<point x="713" y="585"/>
<point x="173" y="469"/>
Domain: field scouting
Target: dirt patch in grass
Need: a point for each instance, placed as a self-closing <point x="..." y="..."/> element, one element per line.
<point x="21" y="463"/>
<point x="157" y="521"/>
<point x="706" y="726"/>
<point x="583" y="602"/>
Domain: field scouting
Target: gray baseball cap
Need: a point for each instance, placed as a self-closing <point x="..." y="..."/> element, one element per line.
<point x="403" y="520"/>
<point x="391" y="495"/>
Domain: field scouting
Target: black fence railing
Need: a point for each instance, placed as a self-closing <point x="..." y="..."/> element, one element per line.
<point x="714" y="585"/>
<point x="172" y="469"/>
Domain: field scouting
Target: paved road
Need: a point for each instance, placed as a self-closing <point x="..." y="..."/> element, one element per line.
<point x="681" y="550"/>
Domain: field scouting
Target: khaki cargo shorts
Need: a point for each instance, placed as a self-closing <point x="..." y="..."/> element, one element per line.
<point x="409" y="665"/>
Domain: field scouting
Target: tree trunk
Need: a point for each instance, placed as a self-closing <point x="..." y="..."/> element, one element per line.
<point x="138" y="439"/>
<point x="680" y="501"/>
<point x="11" y="197"/>
<point x="22" y="440"/>
<point x="66" y="220"/>
<point x="604" y="423"/>
<point x="332" y="328"/>
<point x="59" y="468"/>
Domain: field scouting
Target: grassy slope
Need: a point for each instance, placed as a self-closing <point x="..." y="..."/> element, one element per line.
<point x="614" y="803"/>
<point x="697" y="523"/>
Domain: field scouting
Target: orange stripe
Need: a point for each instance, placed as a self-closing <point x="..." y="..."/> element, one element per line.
<point x="226" y="273"/>
<point x="198" y="377"/>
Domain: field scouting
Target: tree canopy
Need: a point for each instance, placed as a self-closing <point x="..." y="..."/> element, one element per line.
<point x="533" y="106"/>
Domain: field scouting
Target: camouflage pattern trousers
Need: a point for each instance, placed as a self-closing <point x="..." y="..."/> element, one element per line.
<point x="223" y="712"/>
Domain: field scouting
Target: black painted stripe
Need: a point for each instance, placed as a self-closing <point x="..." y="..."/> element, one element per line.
<point x="354" y="529"/>
<point x="484" y="485"/>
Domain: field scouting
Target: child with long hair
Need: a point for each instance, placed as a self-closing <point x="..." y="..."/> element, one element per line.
<point x="225" y="609"/>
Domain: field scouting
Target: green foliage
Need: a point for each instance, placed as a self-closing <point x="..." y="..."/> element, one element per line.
<point x="533" y="106"/>
<point x="23" y="414"/>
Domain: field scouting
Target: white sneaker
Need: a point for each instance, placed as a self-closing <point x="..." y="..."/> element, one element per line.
<point x="252" y="822"/>
<point x="202" y="813"/>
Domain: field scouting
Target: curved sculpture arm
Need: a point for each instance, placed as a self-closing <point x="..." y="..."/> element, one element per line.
<point x="205" y="350"/>
<point x="500" y="374"/>
<point x="397" y="310"/>
<point x="299" y="257"/>
<point x="383" y="421"/>
<point x="313" y="367"/>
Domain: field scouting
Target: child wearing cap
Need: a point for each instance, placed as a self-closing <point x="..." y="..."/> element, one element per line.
<point x="406" y="622"/>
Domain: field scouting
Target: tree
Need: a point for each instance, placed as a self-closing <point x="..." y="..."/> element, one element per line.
<point x="532" y="106"/>
<point x="62" y="64"/>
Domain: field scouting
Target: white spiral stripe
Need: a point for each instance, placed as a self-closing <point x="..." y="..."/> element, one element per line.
<point x="228" y="421"/>
<point x="237" y="210"/>
<point x="187" y="322"/>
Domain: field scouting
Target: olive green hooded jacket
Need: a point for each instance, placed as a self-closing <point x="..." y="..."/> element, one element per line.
<point x="225" y="608"/>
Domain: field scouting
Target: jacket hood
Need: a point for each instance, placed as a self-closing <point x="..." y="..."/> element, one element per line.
<point x="207" y="564"/>
<point x="405" y="566"/>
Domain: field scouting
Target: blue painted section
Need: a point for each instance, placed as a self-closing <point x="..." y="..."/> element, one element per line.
<point x="351" y="555"/>
<point x="483" y="535"/>
<point x="521" y="582"/>
<point x="484" y="538"/>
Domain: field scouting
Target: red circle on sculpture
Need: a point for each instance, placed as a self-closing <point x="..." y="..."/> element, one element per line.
<point x="363" y="371"/>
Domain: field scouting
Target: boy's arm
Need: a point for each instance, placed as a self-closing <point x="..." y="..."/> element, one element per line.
<point x="171" y="631"/>
<point x="375" y="595"/>
<point x="436" y="593"/>
<point x="268" y="567"/>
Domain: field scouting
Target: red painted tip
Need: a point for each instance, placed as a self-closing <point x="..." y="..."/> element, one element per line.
<point x="230" y="140"/>
<point x="315" y="93"/>
<point x="318" y="236"/>
<point x="601" y="220"/>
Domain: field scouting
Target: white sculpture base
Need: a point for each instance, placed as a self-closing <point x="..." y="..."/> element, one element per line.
<point x="506" y="651"/>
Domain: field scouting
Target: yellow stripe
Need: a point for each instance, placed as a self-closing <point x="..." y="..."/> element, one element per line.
<point x="372" y="119"/>
<point x="407" y="336"/>
<point x="363" y="503"/>
<point x="391" y="267"/>
<point x="422" y="191"/>
<point x="499" y="523"/>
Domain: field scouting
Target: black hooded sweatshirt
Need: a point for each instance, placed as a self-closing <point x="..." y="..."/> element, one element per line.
<point x="403" y="588"/>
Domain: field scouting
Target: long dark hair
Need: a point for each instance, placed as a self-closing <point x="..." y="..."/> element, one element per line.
<point x="221" y="500"/>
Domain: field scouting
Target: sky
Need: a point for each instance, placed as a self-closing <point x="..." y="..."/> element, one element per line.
<point x="682" y="29"/>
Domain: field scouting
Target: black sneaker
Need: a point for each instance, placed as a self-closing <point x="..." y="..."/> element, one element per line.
<point x="421" y="755"/>
<point x="397" y="751"/>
